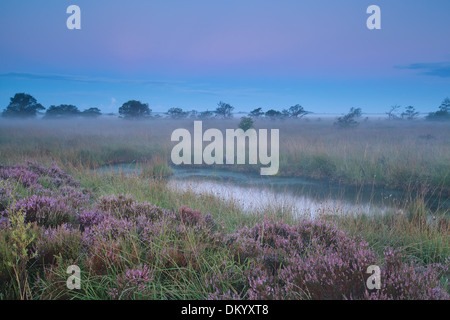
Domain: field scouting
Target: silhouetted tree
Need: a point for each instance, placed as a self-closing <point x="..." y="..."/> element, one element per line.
<point x="91" y="112"/>
<point x="273" y="114"/>
<point x="62" y="111"/>
<point x="410" y="113"/>
<point x="348" y="120"/>
<point x="285" y="113"/>
<point x="206" y="114"/>
<point x="246" y="123"/>
<point x="257" y="113"/>
<point x="443" y="113"/>
<point x="445" y="105"/>
<point x="392" y="113"/>
<point x="296" y="111"/>
<point x="134" y="110"/>
<point x="177" y="113"/>
<point x="194" y="114"/>
<point x="22" y="105"/>
<point x="224" y="110"/>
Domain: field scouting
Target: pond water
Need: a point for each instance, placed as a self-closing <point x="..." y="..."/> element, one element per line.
<point x="301" y="196"/>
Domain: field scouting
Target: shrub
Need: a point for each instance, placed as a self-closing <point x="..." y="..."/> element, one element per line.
<point x="22" y="105"/>
<point x="349" y="120"/>
<point x="108" y="228"/>
<point x="89" y="218"/>
<point x="410" y="281"/>
<point x="322" y="165"/>
<point x="62" y="111"/>
<point x="20" y="174"/>
<point x="133" y="283"/>
<point x="410" y="113"/>
<point x="313" y="260"/>
<point x="246" y="123"/>
<point x="45" y="211"/>
<point x="62" y="241"/>
<point x="120" y="205"/>
<point x="22" y="238"/>
<point x="443" y="114"/>
<point x="134" y="110"/>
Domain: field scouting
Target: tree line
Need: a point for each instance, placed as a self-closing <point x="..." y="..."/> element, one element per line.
<point x="23" y="105"/>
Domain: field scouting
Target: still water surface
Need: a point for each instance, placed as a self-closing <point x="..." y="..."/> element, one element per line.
<point x="301" y="196"/>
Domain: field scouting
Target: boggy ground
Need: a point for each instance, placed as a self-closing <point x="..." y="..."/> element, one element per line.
<point x="408" y="155"/>
<point x="134" y="238"/>
<point x="145" y="244"/>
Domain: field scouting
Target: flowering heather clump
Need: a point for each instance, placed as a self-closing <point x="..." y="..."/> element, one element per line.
<point x="191" y="217"/>
<point x="148" y="230"/>
<point x="147" y="226"/>
<point x="150" y="211"/>
<point x="133" y="283"/>
<point x="45" y="211"/>
<point x="231" y="289"/>
<point x="125" y="206"/>
<point x="54" y="175"/>
<point x="119" y="205"/>
<point x="102" y="255"/>
<point x="75" y="197"/>
<point x="402" y="280"/>
<point x="55" y="203"/>
<point x="20" y="174"/>
<point x="89" y="218"/>
<point x="61" y="241"/>
<point x="108" y="228"/>
<point x="312" y="260"/>
<point x="32" y="175"/>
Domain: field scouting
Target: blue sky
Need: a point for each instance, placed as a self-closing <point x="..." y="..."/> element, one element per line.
<point x="249" y="53"/>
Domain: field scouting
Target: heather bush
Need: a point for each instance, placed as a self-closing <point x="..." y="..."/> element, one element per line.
<point x="119" y="205"/>
<point x="314" y="260"/>
<point x="407" y="280"/>
<point x="54" y="175"/>
<point x="108" y="228"/>
<point x="105" y="256"/>
<point x="56" y="203"/>
<point x="150" y="211"/>
<point x="134" y="283"/>
<point x="45" y="211"/>
<point x="34" y="175"/>
<point x="126" y="207"/>
<point x="20" y="174"/>
<point x="193" y="217"/>
<point x="309" y="260"/>
<point x="63" y="241"/>
<point x="89" y="218"/>
<point x="74" y="197"/>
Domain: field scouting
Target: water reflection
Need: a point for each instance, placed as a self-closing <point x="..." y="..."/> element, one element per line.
<point x="297" y="195"/>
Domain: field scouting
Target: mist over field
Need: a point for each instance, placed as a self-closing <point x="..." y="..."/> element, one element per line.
<point x="104" y="194"/>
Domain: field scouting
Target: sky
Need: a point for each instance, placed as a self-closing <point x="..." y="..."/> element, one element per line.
<point x="249" y="53"/>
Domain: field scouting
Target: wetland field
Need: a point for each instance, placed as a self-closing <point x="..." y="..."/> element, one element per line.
<point x="103" y="195"/>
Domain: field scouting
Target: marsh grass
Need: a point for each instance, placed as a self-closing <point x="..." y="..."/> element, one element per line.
<point x="394" y="154"/>
<point x="189" y="262"/>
